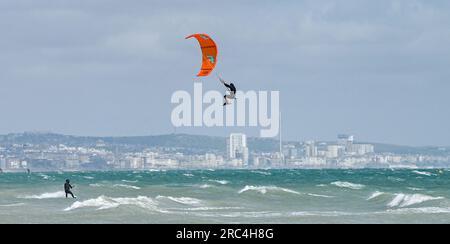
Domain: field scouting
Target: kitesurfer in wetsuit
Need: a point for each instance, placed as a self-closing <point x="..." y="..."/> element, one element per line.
<point x="67" y="188"/>
<point x="232" y="90"/>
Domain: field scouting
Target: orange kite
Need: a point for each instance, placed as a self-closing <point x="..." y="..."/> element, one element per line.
<point x="209" y="53"/>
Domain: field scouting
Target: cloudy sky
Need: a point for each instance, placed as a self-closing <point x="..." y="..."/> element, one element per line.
<point x="376" y="69"/>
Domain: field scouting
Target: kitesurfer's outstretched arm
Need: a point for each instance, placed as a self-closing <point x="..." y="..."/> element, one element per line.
<point x="224" y="83"/>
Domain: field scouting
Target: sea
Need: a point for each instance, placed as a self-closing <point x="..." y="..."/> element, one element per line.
<point x="228" y="196"/>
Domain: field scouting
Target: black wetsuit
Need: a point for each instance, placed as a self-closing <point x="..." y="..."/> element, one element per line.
<point x="67" y="188"/>
<point x="231" y="87"/>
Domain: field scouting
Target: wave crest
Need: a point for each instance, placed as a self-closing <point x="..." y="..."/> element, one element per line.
<point x="103" y="202"/>
<point x="127" y="186"/>
<point x="265" y="189"/>
<point x="375" y="195"/>
<point x="349" y="185"/>
<point x="404" y="200"/>
<point x="423" y="173"/>
<point x="47" y="195"/>
<point x="182" y="200"/>
<point x="222" y="182"/>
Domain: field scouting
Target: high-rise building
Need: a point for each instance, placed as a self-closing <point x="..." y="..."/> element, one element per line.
<point x="290" y="152"/>
<point x="137" y="162"/>
<point x="334" y="151"/>
<point x="237" y="148"/>
<point x="2" y="163"/>
<point x="362" y="149"/>
<point x="346" y="141"/>
<point x="311" y="149"/>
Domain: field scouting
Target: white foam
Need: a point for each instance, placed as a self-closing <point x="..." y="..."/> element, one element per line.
<point x="45" y="177"/>
<point x="88" y="177"/>
<point x="322" y="214"/>
<point x="188" y="175"/>
<point x="204" y="186"/>
<point x="405" y="200"/>
<point x="396" y="179"/>
<point x="222" y="182"/>
<point x="265" y="189"/>
<point x="211" y="208"/>
<point x="103" y="202"/>
<point x="262" y="214"/>
<point x="415" y="189"/>
<point x="349" y="185"/>
<point x="153" y="170"/>
<point x="96" y="185"/>
<point x="13" y="205"/>
<point x="127" y="186"/>
<point x="261" y="172"/>
<point x="182" y="200"/>
<point x="318" y="195"/>
<point x="424" y="210"/>
<point x="100" y="203"/>
<point x="375" y="195"/>
<point x="47" y="195"/>
<point x="423" y="173"/>
<point x="130" y="181"/>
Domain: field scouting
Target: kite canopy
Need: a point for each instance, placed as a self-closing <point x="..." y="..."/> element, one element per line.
<point x="209" y="53"/>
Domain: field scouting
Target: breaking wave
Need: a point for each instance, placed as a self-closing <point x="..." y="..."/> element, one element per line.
<point x="204" y="186"/>
<point x="375" y="195"/>
<point x="424" y="210"/>
<point x="13" y="205"/>
<point x="103" y="202"/>
<point x="423" y="173"/>
<point x="404" y="200"/>
<point x="47" y="195"/>
<point x="222" y="182"/>
<point x="211" y="208"/>
<point x="349" y="185"/>
<point x="265" y="189"/>
<point x="127" y="186"/>
<point x="261" y="172"/>
<point x="45" y="177"/>
<point x="182" y="200"/>
<point x="415" y="189"/>
<point x="318" y="195"/>
<point x="130" y="181"/>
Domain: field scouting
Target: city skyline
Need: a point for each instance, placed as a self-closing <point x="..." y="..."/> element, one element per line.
<point x="61" y="153"/>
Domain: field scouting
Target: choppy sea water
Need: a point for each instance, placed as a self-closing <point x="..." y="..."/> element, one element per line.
<point x="229" y="196"/>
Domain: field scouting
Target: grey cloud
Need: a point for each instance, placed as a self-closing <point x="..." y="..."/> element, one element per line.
<point x="374" y="68"/>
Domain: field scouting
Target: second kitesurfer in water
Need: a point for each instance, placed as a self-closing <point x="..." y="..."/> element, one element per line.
<point x="68" y="188"/>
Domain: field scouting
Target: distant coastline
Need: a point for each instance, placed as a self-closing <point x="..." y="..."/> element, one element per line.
<point x="50" y="152"/>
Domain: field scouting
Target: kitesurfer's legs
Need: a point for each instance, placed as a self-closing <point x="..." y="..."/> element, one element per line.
<point x="69" y="192"/>
<point x="228" y="98"/>
<point x="231" y="96"/>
